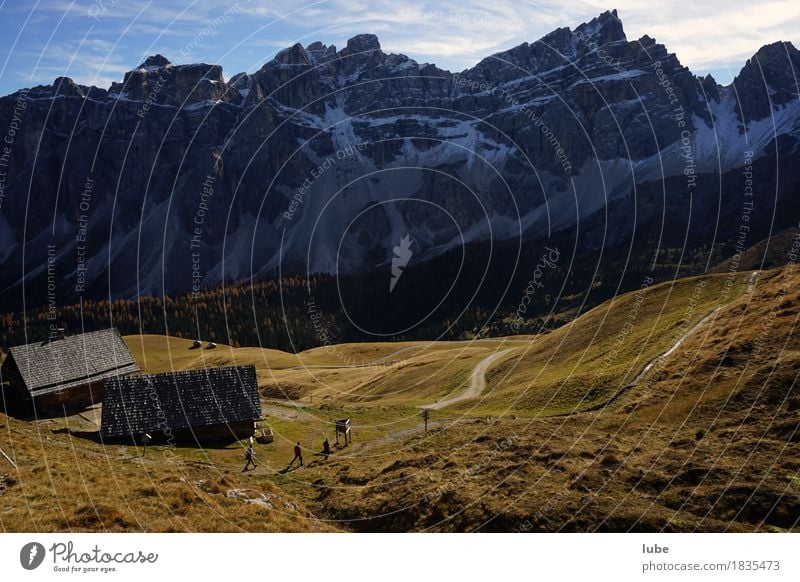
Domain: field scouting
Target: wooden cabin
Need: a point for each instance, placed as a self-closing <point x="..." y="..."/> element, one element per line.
<point x="64" y="375"/>
<point x="195" y="406"/>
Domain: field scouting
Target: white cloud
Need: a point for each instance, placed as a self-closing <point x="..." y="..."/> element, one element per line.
<point x="89" y="64"/>
<point x="713" y="35"/>
<point x="710" y="36"/>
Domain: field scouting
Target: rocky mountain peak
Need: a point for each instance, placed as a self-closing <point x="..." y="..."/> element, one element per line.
<point x="156" y="80"/>
<point x="154" y="62"/>
<point x="710" y="87"/>
<point x="67" y="87"/>
<point x="773" y="60"/>
<point x="320" y="52"/>
<point x="776" y="49"/>
<point x="294" y="55"/>
<point x="768" y="80"/>
<point x="605" y="28"/>
<point x="558" y="105"/>
<point x="554" y="50"/>
<point x="362" y="43"/>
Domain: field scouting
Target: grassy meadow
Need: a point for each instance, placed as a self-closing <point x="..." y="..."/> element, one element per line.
<point x="638" y="415"/>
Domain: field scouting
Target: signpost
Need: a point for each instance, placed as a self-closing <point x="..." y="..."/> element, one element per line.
<point x="343" y="426"/>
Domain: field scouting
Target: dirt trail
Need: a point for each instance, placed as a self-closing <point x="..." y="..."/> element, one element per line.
<point x="477" y="382"/>
<point x="477" y="386"/>
<point x="387" y="360"/>
<point x="751" y="283"/>
<point x="625" y="389"/>
<point x="669" y="352"/>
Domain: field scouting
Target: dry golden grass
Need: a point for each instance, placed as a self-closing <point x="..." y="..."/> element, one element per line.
<point x="158" y="353"/>
<point x="575" y="474"/>
<point x="402" y="374"/>
<point x="586" y="362"/>
<point x="743" y="364"/>
<point x="707" y="440"/>
<point x="72" y="483"/>
<point x="768" y="253"/>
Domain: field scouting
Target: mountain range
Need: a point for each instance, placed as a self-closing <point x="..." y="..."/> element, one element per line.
<point x="323" y="160"/>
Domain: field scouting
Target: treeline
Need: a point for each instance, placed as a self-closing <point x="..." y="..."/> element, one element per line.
<point x="237" y="313"/>
<point x="296" y="313"/>
<point x="498" y="290"/>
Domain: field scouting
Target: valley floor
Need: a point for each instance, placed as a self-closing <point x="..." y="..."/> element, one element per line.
<point x="674" y="408"/>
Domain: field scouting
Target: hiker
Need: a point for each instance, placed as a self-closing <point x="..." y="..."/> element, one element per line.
<point x="249" y="454"/>
<point x="298" y="454"/>
<point x="146" y="438"/>
<point x="326" y="448"/>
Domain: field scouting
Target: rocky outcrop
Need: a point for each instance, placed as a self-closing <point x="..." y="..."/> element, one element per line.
<point x="768" y="81"/>
<point x="158" y="81"/>
<point x="323" y="158"/>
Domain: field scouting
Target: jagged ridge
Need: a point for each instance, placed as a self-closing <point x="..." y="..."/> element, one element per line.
<point x="489" y="152"/>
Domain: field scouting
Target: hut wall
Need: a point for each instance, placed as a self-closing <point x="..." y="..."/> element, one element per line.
<point x="15" y="395"/>
<point x="218" y="432"/>
<point x="69" y="399"/>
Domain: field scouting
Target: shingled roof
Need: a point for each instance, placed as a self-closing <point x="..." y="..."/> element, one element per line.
<point x="73" y="360"/>
<point x="150" y="403"/>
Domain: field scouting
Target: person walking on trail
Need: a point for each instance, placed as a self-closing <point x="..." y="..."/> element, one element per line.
<point x="146" y="438"/>
<point x="298" y="455"/>
<point x="249" y="454"/>
<point x="326" y="449"/>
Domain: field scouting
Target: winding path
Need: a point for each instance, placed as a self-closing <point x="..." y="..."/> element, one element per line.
<point x="477" y="382"/>
<point x="478" y="385"/>
<point x="476" y="388"/>
<point x="633" y="383"/>
<point x="669" y="352"/>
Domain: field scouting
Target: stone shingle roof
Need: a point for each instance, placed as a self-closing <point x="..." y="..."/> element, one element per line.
<point x="150" y="403"/>
<point x="74" y="360"/>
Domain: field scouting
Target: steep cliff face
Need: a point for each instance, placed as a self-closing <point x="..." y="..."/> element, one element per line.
<point x="768" y="81"/>
<point x="158" y="80"/>
<point x="323" y="159"/>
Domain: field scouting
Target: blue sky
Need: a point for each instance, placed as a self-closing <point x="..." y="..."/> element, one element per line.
<point x="96" y="41"/>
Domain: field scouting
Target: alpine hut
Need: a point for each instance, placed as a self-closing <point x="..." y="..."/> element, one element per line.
<point x="65" y="374"/>
<point x="214" y="404"/>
